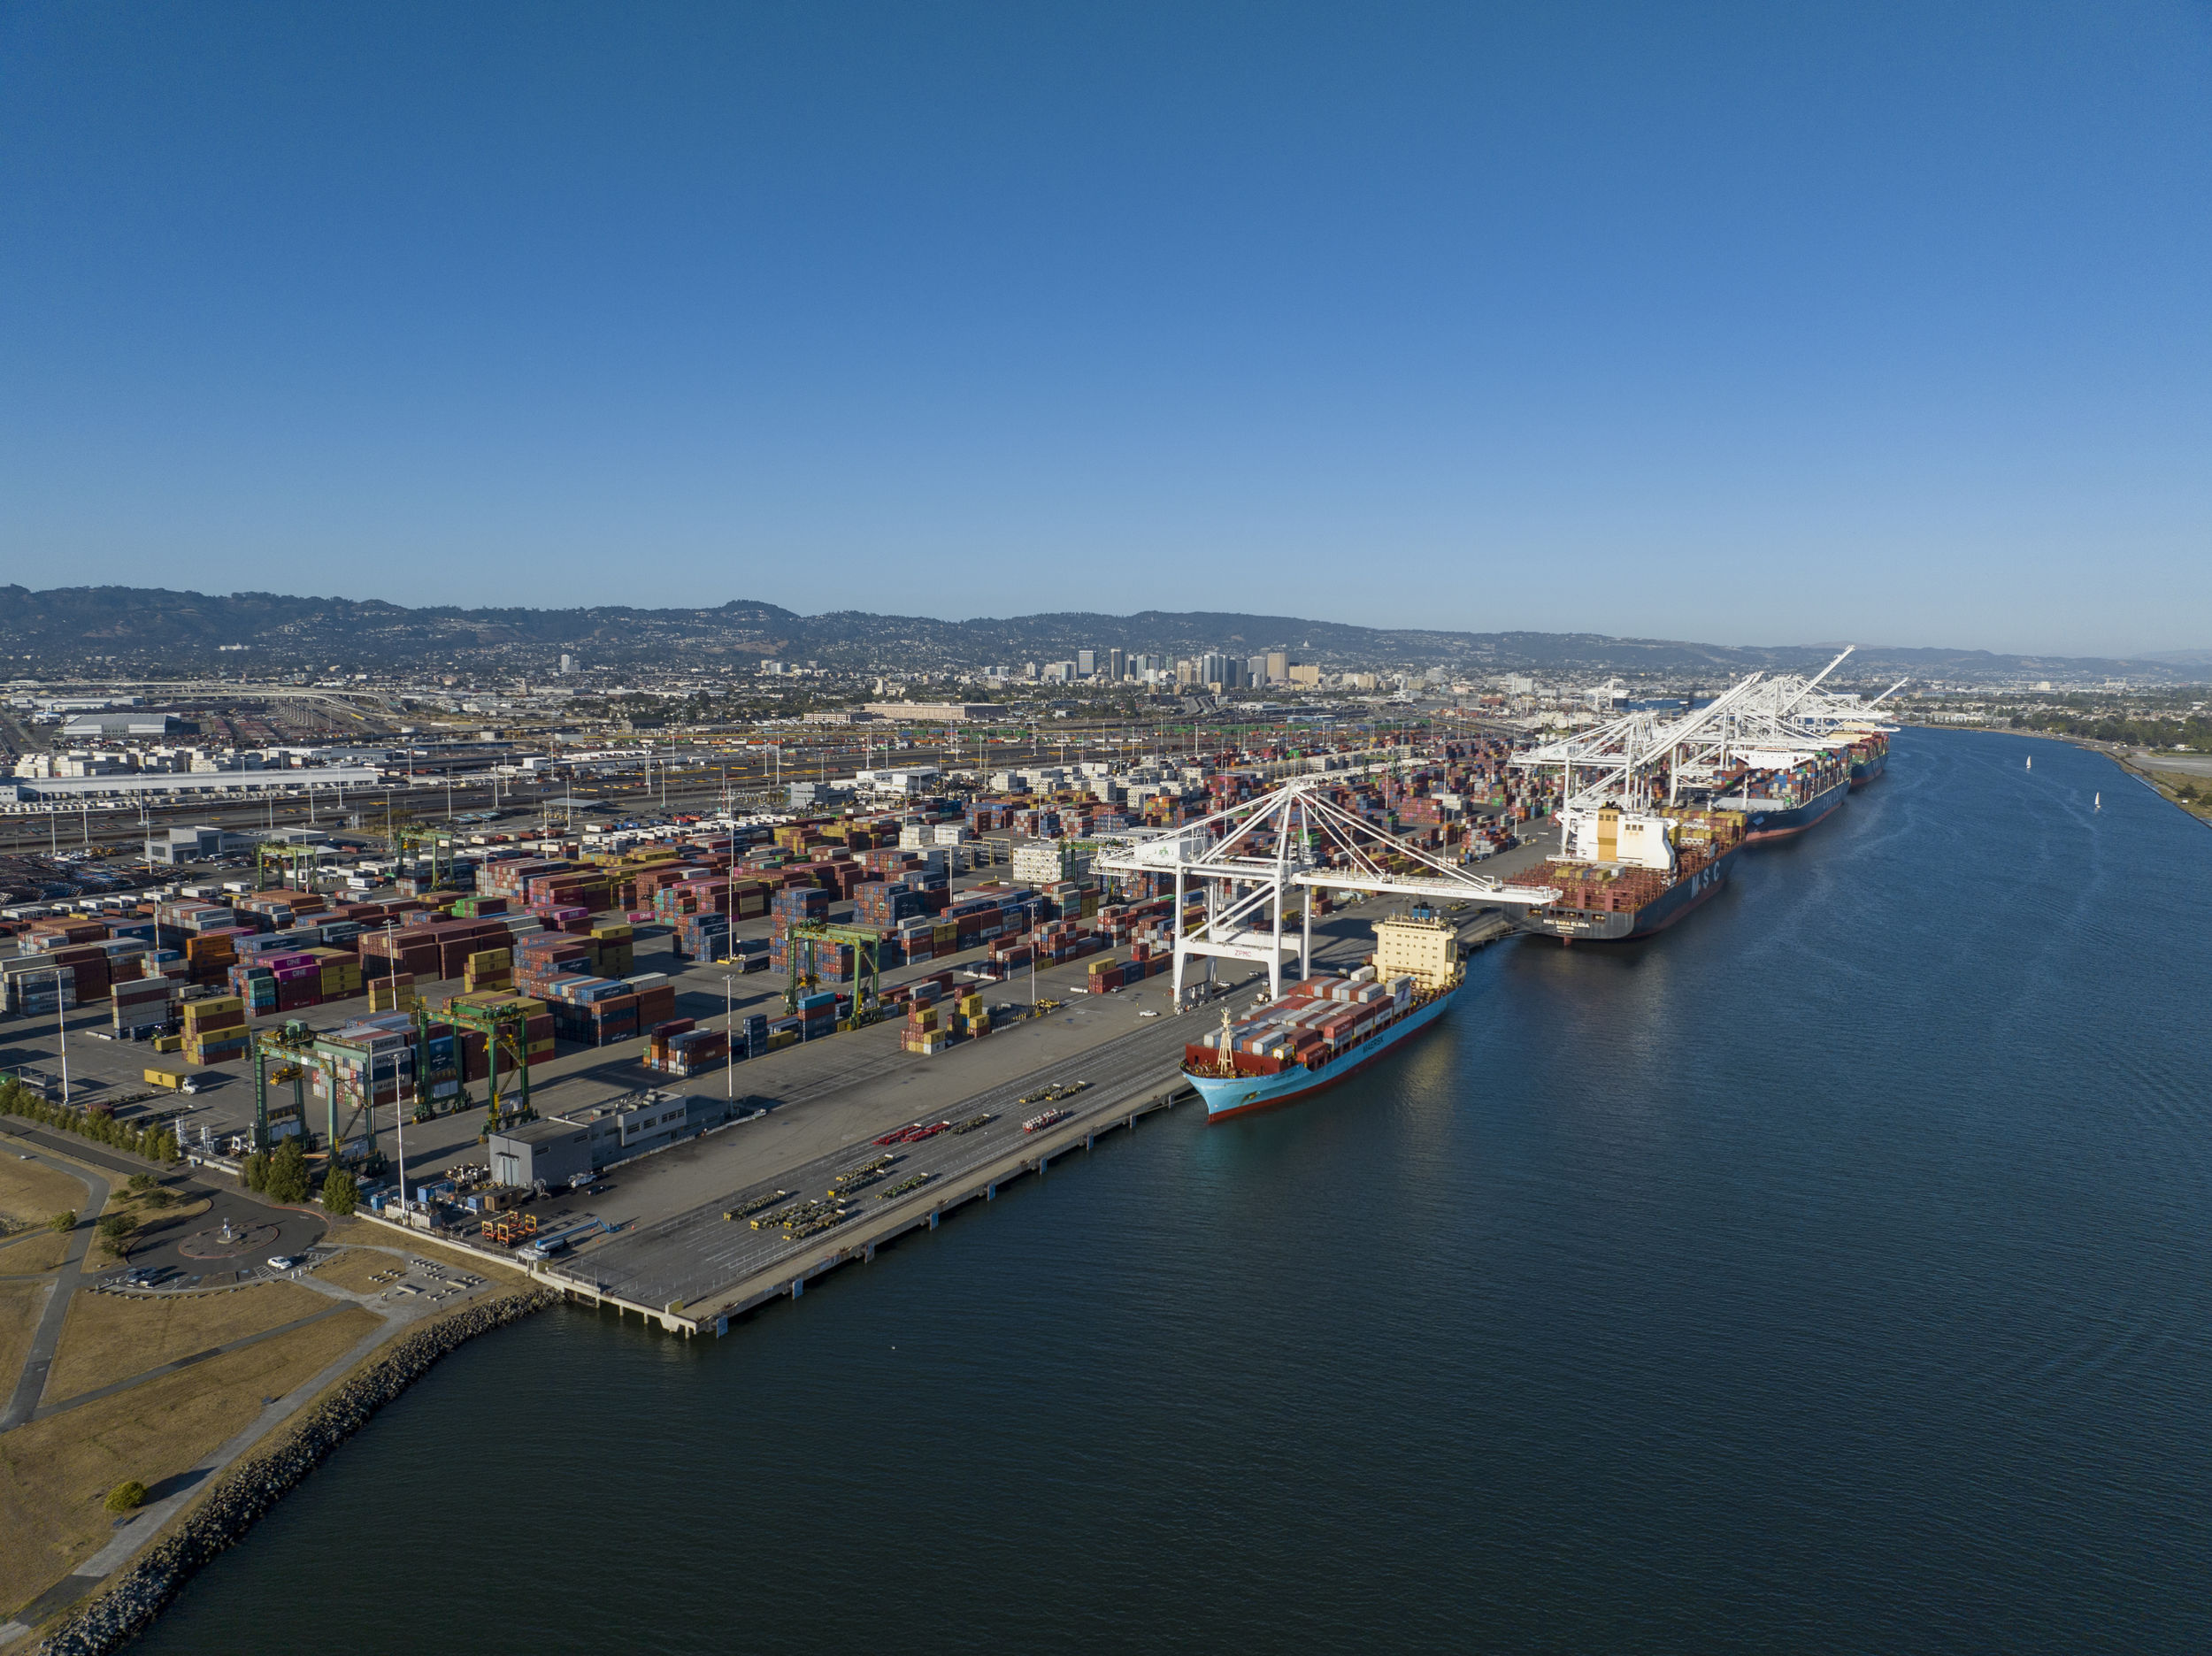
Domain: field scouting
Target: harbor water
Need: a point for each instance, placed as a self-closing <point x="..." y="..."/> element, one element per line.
<point x="1829" y="1272"/>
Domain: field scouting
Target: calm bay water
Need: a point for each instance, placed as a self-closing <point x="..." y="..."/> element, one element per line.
<point x="1829" y="1273"/>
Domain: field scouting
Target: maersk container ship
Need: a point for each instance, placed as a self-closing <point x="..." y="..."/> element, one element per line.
<point x="1325" y="1028"/>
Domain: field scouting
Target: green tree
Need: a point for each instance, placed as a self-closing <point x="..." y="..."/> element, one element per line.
<point x="253" y="1173"/>
<point x="127" y="1496"/>
<point x="64" y="1222"/>
<point x="287" y="1173"/>
<point x="116" y="1230"/>
<point x="143" y="1182"/>
<point x="341" y="1193"/>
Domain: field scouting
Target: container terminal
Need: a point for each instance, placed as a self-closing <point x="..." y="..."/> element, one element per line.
<point x="608" y="1056"/>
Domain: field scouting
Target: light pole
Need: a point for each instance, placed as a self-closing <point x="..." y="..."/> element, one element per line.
<point x="729" y="1044"/>
<point x="399" y="1128"/>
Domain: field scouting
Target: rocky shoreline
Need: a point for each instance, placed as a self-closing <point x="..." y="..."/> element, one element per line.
<point x="254" y="1486"/>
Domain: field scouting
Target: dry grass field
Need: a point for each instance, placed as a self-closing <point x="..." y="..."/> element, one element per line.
<point x="111" y="1337"/>
<point x="19" y="1307"/>
<point x="33" y="1251"/>
<point x="31" y="1194"/>
<point x="55" y="1472"/>
<point x="2192" y="793"/>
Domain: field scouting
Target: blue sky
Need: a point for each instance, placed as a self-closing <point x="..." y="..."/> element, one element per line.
<point x="1744" y="323"/>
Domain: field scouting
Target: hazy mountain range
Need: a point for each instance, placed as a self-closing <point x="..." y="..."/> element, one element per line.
<point x="110" y="628"/>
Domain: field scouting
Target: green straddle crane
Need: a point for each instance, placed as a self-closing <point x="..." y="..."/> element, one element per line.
<point x="866" y="979"/>
<point x="505" y="1029"/>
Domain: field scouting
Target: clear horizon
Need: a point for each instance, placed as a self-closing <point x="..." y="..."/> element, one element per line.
<point x="1728" y="324"/>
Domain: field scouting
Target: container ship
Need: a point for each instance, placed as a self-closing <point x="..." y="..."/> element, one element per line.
<point x="1327" y="1027"/>
<point x="1783" y="794"/>
<point x="1870" y="758"/>
<point x="1626" y="874"/>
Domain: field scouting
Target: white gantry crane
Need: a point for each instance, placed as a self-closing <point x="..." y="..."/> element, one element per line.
<point x="1616" y="764"/>
<point x="1251" y="856"/>
<point x="1779" y="721"/>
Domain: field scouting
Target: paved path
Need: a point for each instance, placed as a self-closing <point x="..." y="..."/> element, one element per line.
<point x="31" y="1384"/>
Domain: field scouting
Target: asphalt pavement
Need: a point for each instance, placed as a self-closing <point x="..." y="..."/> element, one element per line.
<point x="690" y="1254"/>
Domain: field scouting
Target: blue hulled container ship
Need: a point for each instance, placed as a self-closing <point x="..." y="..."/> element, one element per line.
<point x="1870" y="758"/>
<point x="1782" y="794"/>
<point x="1326" y="1028"/>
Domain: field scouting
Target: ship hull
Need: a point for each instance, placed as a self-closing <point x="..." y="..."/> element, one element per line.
<point x="1865" y="770"/>
<point x="1589" y="926"/>
<point x="1227" y="1096"/>
<point x="1762" y="825"/>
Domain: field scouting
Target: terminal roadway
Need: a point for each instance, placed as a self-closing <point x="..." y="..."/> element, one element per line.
<point x="691" y="1255"/>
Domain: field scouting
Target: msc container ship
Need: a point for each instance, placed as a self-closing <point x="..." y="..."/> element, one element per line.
<point x="1327" y="1027"/>
<point x="1626" y="874"/>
